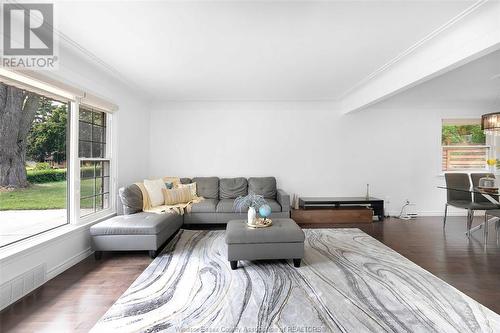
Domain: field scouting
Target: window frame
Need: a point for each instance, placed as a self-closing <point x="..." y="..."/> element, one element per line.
<point x="489" y="144"/>
<point x="110" y="153"/>
<point x="54" y="89"/>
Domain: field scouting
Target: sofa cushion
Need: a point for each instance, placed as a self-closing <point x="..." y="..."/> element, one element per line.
<point x="265" y="186"/>
<point x="207" y="187"/>
<point x="185" y="180"/>
<point x="275" y="206"/>
<point x="230" y="188"/>
<point x="136" y="224"/>
<point x="226" y="206"/>
<point x="131" y="198"/>
<point x="205" y="206"/>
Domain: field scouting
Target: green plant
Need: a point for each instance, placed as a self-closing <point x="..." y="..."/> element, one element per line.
<point x="46" y="176"/>
<point x="462" y="135"/>
<point x="251" y="200"/>
<point x="40" y="176"/>
<point x="47" y="136"/>
<point x="42" y="166"/>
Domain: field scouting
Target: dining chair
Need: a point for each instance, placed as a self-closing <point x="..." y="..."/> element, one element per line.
<point x="462" y="198"/>
<point x="475" y="177"/>
<point x="493" y="210"/>
<point x="493" y="213"/>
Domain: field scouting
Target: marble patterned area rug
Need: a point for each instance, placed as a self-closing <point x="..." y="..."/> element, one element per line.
<point x="348" y="282"/>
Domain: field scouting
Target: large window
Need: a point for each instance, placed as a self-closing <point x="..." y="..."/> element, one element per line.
<point x="33" y="163"/>
<point x="55" y="157"/>
<point x="464" y="145"/>
<point x="94" y="161"/>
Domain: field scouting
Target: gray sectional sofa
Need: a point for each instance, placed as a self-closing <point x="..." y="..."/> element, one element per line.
<point x="138" y="230"/>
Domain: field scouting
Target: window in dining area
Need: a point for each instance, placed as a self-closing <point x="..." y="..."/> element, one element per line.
<point x="464" y="146"/>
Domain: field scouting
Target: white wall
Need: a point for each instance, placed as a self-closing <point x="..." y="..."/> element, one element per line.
<point x="310" y="147"/>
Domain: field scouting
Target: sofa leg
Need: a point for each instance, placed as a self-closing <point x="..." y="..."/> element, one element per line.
<point x="296" y="262"/>
<point x="152" y="254"/>
<point x="234" y="264"/>
<point x="97" y="255"/>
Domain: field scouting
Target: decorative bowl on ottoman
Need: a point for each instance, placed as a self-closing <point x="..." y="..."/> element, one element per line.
<point x="260" y="223"/>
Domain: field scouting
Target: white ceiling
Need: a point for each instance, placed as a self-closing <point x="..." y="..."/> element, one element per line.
<point x="475" y="85"/>
<point x="255" y="50"/>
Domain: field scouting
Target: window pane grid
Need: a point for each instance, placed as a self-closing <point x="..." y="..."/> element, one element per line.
<point x="94" y="186"/>
<point x="92" y="141"/>
<point x="93" y="196"/>
<point x="94" y="167"/>
<point x="91" y="123"/>
<point x="84" y="178"/>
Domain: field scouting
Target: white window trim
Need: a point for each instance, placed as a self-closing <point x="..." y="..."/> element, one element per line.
<point x="74" y="172"/>
<point x="53" y="88"/>
<point x="111" y="152"/>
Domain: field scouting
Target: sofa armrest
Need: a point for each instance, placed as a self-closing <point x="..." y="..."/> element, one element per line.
<point x="131" y="198"/>
<point x="283" y="199"/>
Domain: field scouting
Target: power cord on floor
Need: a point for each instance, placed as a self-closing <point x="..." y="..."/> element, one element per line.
<point x="404" y="216"/>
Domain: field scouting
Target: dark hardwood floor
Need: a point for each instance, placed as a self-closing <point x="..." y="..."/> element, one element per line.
<point x="76" y="299"/>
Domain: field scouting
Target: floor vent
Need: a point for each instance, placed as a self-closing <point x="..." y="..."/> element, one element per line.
<point x="22" y="285"/>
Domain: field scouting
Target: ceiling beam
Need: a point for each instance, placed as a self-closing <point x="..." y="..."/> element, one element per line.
<point x="469" y="36"/>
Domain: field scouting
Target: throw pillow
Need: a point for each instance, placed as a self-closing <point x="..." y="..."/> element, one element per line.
<point x="177" y="196"/>
<point x="174" y="180"/>
<point x="169" y="185"/>
<point x="191" y="187"/>
<point x="154" y="189"/>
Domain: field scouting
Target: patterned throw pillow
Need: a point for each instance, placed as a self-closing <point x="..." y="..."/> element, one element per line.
<point x="177" y="196"/>
<point x="191" y="186"/>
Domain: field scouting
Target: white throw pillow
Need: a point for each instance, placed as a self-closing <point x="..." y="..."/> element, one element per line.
<point x="155" y="191"/>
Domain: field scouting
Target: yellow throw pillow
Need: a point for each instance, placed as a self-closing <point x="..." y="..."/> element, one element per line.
<point x="191" y="186"/>
<point x="177" y="196"/>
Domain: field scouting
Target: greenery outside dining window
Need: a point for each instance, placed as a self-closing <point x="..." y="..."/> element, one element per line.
<point x="464" y="145"/>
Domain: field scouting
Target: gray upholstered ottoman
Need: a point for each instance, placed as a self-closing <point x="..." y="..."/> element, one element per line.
<point x="140" y="231"/>
<point x="283" y="240"/>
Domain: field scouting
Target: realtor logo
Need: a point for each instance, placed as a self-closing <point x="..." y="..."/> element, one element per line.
<point x="28" y="36"/>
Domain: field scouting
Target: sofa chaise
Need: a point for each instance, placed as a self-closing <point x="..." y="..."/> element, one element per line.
<point x="138" y="230"/>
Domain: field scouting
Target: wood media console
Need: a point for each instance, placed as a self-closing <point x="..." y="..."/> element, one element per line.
<point x="328" y="210"/>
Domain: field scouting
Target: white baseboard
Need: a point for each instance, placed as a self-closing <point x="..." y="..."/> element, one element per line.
<point x="441" y="213"/>
<point x="68" y="263"/>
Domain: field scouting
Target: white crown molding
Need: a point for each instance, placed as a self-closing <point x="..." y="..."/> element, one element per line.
<point x="419" y="44"/>
<point x="93" y="59"/>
